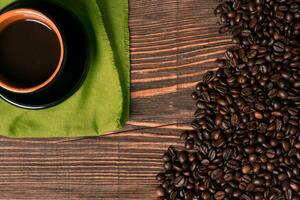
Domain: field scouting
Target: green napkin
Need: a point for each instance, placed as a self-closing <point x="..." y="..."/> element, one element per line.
<point x="102" y="103"/>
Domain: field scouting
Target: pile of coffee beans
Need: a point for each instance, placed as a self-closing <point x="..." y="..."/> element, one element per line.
<point x="245" y="142"/>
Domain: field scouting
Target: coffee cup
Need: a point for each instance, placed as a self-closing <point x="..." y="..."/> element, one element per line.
<point x="31" y="50"/>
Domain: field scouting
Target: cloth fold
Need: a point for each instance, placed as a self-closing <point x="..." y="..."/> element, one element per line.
<point x="102" y="102"/>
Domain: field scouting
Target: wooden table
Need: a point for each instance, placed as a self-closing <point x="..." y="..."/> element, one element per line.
<point x="173" y="42"/>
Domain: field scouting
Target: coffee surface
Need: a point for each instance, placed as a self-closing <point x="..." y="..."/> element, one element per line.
<point x="29" y="53"/>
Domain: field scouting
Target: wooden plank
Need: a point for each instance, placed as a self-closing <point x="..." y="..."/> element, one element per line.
<point x="119" y="166"/>
<point x="173" y="42"/>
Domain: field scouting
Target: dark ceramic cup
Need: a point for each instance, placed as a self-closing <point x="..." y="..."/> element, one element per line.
<point x="11" y="82"/>
<point x="74" y="67"/>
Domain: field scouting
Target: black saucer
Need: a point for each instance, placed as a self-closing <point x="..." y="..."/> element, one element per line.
<point x="75" y="65"/>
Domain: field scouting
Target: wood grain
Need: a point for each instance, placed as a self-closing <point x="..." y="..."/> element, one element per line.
<point x="173" y="42"/>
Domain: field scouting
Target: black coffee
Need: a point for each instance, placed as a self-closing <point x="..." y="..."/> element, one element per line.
<point x="29" y="53"/>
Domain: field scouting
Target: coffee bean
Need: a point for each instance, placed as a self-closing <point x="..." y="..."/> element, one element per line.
<point x="270" y="167"/>
<point x="160" y="177"/>
<point x="246" y="140"/>
<point x="282" y="177"/>
<point x="246" y="196"/>
<point x="183" y="156"/>
<point x="194" y="95"/>
<point x="294" y="186"/>
<point x="219" y="195"/>
<point x="167" y="157"/>
<point x="217" y="174"/>
<point x="205" y="96"/>
<point x="278" y="47"/>
<point x="205" y="195"/>
<point x="189" y="144"/>
<point x="168" y="165"/>
<point x="282" y="94"/>
<point x="270" y="153"/>
<point x="205" y="162"/>
<point x="172" y="152"/>
<point x="285" y="145"/>
<point x="258" y="115"/>
<point x="236" y="40"/>
<point x="180" y="181"/>
<point x="234" y="120"/>
<point x="184" y="135"/>
<point x="212" y="154"/>
<point x="252" y="54"/>
<point x="216" y="135"/>
<point x="222" y="102"/>
<point x="231" y="14"/>
<point x="246" y="169"/>
<point x="237" y="193"/>
<point x="258" y="181"/>
<point x="259" y="106"/>
<point x="203" y="149"/>
<point x="208" y="76"/>
<point x="173" y="194"/>
<point x="160" y="191"/>
<point x="233" y="164"/>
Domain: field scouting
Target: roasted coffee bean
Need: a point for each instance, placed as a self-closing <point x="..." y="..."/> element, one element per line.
<point x="233" y="164"/>
<point x="180" y="181"/>
<point x="189" y="144"/>
<point x="219" y="195"/>
<point x="295" y="186"/>
<point x="246" y="169"/>
<point x="282" y="94"/>
<point x="212" y="154"/>
<point x="184" y="135"/>
<point x="194" y="95"/>
<point x="183" y="156"/>
<point x="160" y="191"/>
<point x="258" y="115"/>
<point x="216" y="135"/>
<point x="259" y="181"/>
<point x="270" y="153"/>
<point x="168" y="166"/>
<point x="278" y="47"/>
<point x="217" y="174"/>
<point x="282" y="177"/>
<point x="222" y="102"/>
<point x="246" y="139"/>
<point x="208" y="77"/>
<point x="177" y="166"/>
<point x="160" y="177"/>
<point x="167" y="157"/>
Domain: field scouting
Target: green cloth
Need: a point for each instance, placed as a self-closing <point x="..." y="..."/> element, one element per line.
<point x="102" y="103"/>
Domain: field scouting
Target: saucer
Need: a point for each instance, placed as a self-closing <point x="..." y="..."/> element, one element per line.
<point x="75" y="66"/>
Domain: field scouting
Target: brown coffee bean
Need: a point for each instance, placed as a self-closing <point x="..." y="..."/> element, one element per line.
<point x="216" y="135"/>
<point x="246" y="140"/>
<point x="258" y="181"/>
<point x="282" y="94"/>
<point x="216" y="174"/>
<point x="160" y="191"/>
<point x="294" y="186"/>
<point x="278" y="47"/>
<point x="222" y="102"/>
<point x="180" y="181"/>
<point x="282" y="177"/>
<point x="246" y="169"/>
<point x="219" y="195"/>
<point x="183" y="156"/>
<point x="270" y="153"/>
<point x="258" y="115"/>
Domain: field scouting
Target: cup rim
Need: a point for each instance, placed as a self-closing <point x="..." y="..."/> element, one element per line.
<point x="27" y="13"/>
